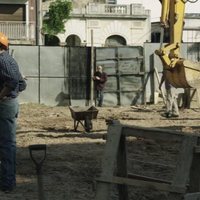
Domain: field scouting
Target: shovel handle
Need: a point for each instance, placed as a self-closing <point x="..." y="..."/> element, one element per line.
<point x="37" y="147"/>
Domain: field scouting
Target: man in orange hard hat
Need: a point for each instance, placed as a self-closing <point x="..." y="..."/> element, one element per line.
<point x="3" y="41"/>
<point x="11" y="83"/>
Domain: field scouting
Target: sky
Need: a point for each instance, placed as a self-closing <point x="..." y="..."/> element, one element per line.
<point x="155" y="7"/>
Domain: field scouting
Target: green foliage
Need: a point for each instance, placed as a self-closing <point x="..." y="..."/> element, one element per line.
<point x="59" y="12"/>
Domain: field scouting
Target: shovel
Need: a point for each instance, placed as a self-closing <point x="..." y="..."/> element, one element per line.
<point x="38" y="163"/>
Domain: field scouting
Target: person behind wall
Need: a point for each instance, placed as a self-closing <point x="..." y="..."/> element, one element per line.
<point x="11" y="83"/>
<point x="171" y="98"/>
<point x="100" y="79"/>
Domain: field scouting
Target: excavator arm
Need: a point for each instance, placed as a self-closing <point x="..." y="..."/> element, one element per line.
<point x="180" y="72"/>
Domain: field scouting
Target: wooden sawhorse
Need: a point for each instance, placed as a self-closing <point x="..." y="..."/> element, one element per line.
<point x="186" y="180"/>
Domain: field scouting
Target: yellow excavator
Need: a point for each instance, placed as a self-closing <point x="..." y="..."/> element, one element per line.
<point x="180" y="72"/>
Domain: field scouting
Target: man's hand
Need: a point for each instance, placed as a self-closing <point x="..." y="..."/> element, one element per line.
<point x="97" y="78"/>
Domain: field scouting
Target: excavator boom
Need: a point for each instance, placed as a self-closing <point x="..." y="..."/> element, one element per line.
<point x="180" y="72"/>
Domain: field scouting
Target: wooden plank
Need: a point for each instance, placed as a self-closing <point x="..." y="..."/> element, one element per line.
<point x="152" y="163"/>
<point x="192" y="196"/>
<point x="194" y="180"/>
<point x="122" y="168"/>
<point x="146" y="184"/>
<point x="190" y="97"/>
<point x="115" y="150"/>
<point x="152" y="133"/>
<point x="146" y="178"/>
<point x="155" y="133"/>
<point x="108" y="161"/>
<point x="197" y="149"/>
<point x="184" y="162"/>
<point x="198" y="96"/>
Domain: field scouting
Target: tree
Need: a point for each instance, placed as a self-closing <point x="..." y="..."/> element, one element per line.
<point x="58" y="14"/>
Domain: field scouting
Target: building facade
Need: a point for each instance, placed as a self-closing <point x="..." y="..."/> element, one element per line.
<point x="101" y="22"/>
<point x="18" y="20"/>
<point x="191" y="29"/>
<point x="107" y="25"/>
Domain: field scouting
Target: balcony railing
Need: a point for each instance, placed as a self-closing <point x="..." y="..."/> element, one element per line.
<point x="113" y="9"/>
<point x="110" y="9"/>
<point x="106" y="9"/>
<point x="18" y="30"/>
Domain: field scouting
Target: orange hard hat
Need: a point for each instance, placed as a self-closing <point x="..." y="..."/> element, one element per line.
<point x="4" y="40"/>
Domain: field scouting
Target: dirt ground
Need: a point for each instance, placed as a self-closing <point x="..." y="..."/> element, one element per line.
<point x="73" y="158"/>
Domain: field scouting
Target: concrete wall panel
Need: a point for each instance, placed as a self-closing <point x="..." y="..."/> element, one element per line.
<point x="31" y="94"/>
<point x="125" y="72"/>
<point x="130" y="83"/>
<point x="105" y="53"/>
<point x="131" y="98"/>
<point x="130" y="52"/>
<point x="52" y="92"/>
<point x="132" y="66"/>
<point x="52" y="61"/>
<point x="108" y="65"/>
<point x="27" y="58"/>
<point x="111" y="84"/>
<point x="110" y="99"/>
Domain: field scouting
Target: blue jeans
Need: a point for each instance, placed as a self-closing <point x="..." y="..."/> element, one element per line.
<point x="8" y="115"/>
<point x="99" y="98"/>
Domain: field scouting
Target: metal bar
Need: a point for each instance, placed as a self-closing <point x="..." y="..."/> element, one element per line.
<point x="118" y="78"/>
<point x="146" y="178"/>
<point x="141" y="183"/>
<point x="161" y="36"/>
<point x="92" y="69"/>
<point x="39" y="77"/>
<point x="158" y="79"/>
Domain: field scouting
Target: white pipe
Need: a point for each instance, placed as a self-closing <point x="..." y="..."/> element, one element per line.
<point x="27" y="20"/>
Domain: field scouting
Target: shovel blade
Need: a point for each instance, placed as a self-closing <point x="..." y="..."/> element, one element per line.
<point x="185" y="74"/>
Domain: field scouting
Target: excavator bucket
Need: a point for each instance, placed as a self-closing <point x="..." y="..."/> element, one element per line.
<point x="185" y="74"/>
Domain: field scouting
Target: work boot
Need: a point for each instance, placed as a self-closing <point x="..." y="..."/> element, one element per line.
<point x="167" y="115"/>
<point x="175" y="115"/>
<point x="7" y="189"/>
